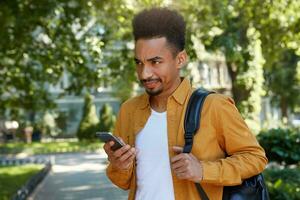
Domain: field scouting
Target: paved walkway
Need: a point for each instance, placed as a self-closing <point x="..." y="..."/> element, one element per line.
<point x="78" y="176"/>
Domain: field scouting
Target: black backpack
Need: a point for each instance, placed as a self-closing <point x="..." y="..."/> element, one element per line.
<point x="253" y="188"/>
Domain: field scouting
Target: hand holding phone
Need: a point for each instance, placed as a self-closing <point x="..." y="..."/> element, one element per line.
<point x="120" y="155"/>
<point x="107" y="137"/>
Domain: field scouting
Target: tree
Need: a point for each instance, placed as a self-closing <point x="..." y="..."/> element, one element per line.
<point x="89" y="121"/>
<point x="107" y="119"/>
<point x="252" y="37"/>
<point x="91" y="42"/>
<point x="225" y="26"/>
<point x="41" y="40"/>
<point x="281" y="41"/>
<point x="283" y="85"/>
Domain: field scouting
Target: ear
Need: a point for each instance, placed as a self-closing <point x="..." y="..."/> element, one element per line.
<point x="181" y="59"/>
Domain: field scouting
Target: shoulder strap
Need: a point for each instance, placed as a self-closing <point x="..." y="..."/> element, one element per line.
<point x="193" y="116"/>
<point x="192" y="124"/>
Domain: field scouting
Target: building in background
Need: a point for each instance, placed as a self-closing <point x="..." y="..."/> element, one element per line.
<point x="70" y="107"/>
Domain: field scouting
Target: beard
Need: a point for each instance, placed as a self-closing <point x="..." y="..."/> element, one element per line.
<point x="152" y="92"/>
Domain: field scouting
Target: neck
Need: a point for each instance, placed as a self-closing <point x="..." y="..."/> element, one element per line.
<point x="159" y="102"/>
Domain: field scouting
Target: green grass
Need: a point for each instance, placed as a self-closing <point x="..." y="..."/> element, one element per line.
<point x="49" y="147"/>
<point x="14" y="177"/>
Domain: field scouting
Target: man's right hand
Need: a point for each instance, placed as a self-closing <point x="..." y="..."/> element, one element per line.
<point x="122" y="158"/>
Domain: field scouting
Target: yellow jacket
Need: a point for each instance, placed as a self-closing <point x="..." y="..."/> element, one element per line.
<point x="222" y="130"/>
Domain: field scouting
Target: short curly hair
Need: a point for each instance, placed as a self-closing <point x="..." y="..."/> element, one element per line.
<point x="160" y="22"/>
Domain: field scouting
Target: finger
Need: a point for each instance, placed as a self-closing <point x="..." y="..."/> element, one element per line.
<point x="121" y="151"/>
<point x="177" y="149"/>
<point x="176" y="158"/>
<point x="127" y="163"/>
<point x="107" y="147"/>
<point x="129" y="160"/>
<point x="109" y="144"/>
<point x="179" y="157"/>
<point x="182" y="169"/>
<point x="128" y="154"/>
<point x="177" y="164"/>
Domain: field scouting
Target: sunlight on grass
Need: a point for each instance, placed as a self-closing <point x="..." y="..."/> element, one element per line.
<point x="13" y="177"/>
<point x="49" y="147"/>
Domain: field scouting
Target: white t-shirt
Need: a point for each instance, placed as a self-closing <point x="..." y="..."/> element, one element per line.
<point x="154" y="179"/>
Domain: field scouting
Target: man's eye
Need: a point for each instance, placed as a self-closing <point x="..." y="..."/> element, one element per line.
<point x="138" y="63"/>
<point x="155" y="62"/>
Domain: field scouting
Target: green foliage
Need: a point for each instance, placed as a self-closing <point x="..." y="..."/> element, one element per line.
<point x="226" y="26"/>
<point x="40" y="41"/>
<point x="13" y="178"/>
<point x="89" y="121"/>
<point x="283" y="85"/>
<point x="253" y="38"/>
<point x="280" y="42"/>
<point x="49" y="126"/>
<point x="49" y="147"/>
<point x="283" y="184"/>
<point x="281" y="145"/>
<point x="107" y="119"/>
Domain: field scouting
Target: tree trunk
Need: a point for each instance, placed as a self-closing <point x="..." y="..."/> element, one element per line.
<point x="284" y="108"/>
<point x="239" y="92"/>
<point x="233" y="74"/>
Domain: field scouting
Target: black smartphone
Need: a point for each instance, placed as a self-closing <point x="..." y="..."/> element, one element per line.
<point x="107" y="136"/>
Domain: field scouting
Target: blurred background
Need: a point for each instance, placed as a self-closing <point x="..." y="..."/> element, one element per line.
<point x="67" y="65"/>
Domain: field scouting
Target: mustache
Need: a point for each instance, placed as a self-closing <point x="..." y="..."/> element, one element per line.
<point x="143" y="81"/>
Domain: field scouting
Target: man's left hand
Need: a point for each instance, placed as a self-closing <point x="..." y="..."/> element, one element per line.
<point x="186" y="165"/>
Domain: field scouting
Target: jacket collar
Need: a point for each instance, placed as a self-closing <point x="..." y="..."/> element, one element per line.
<point x="179" y="94"/>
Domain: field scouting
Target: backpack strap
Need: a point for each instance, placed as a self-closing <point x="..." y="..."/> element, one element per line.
<point x="193" y="116"/>
<point x="192" y="124"/>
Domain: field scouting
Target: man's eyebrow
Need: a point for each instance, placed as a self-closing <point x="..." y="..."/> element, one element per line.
<point x="149" y="59"/>
<point x="155" y="58"/>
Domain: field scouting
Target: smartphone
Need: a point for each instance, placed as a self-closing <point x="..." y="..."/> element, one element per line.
<point x="107" y="136"/>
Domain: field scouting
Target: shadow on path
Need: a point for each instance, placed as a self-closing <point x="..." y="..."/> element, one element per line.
<point x="78" y="176"/>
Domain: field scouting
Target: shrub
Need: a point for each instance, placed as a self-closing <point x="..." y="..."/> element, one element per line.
<point x="89" y="120"/>
<point x="107" y="119"/>
<point x="48" y="125"/>
<point x="281" y="145"/>
<point x="283" y="184"/>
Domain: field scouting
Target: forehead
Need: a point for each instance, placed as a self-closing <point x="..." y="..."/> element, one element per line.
<point x="149" y="48"/>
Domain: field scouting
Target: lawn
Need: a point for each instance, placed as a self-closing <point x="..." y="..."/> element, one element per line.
<point x="14" y="177"/>
<point x="50" y="147"/>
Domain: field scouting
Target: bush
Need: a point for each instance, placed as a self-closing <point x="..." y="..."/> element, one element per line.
<point x="283" y="184"/>
<point x="281" y="145"/>
<point x="89" y="120"/>
<point x="48" y="125"/>
<point x="107" y="119"/>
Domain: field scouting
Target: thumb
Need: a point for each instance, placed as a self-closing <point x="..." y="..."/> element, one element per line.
<point x="177" y="149"/>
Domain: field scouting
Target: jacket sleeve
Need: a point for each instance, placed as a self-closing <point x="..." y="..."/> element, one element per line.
<point x="120" y="178"/>
<point x="245" y="157"/>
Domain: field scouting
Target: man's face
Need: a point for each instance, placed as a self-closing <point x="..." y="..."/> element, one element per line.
<point x="156" y="67"/>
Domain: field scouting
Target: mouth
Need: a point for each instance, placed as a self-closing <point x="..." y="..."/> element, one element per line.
<point x="150" y="84"/>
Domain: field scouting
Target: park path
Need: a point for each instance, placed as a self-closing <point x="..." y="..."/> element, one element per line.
<point x="78" y="176"/>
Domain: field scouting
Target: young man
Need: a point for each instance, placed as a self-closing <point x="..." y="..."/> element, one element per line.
<point x="152" y="164"/>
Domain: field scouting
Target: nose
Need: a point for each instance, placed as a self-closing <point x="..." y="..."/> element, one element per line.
<point x="146" y="72"/>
